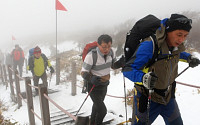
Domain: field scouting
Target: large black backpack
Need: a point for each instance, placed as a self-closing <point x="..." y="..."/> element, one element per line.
<point x="142" y="29"/>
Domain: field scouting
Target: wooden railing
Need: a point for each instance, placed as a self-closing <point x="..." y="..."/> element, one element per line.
<point x="16" y="96"/>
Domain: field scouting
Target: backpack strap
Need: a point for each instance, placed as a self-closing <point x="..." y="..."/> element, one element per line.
<point x="155" y="51"/>
<point x="94" y="56"/>
<point x="156" y="57"/>
<point x="112" y="54"/>
<point x="45" y="60"/>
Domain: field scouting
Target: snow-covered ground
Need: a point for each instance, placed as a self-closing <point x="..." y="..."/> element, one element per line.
<point x="188" y="98"/>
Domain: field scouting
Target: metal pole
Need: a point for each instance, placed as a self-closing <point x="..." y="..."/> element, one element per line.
<point x="57" y="82"/>
<point x="148" y="106"/>
<point x="125" y="99"/>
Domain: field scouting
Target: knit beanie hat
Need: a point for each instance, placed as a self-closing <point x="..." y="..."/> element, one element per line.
<point x="178" y="22"/>
<point x="16" y="45"/>
<point x="37" y="50"/>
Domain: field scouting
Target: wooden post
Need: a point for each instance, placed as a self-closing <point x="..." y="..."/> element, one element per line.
<point x="11" y="83"/>
<point x="58" y="71"/>
<point x="44" y="105"/>
<point x="1" y="70"/>
<point x="5" y="75"/>
<point x="17" y="85"/>
<point x="26" y="64"/>
<point x="29" y="98"/>
<point x="73" y="76"/>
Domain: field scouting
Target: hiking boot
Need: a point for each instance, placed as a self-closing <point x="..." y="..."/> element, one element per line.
<point x="81" y="120"/>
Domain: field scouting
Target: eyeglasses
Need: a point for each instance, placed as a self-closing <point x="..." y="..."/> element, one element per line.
<point x="184" y="20"/>
<point x="105" y="47"/>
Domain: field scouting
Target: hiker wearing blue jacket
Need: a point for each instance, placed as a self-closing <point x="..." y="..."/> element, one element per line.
<point x="155" y="85"/>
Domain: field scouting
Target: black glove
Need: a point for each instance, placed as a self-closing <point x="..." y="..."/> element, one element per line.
<point x="193" y="61"/>
<point x="122" y="61"/>
<point x="149" y="80"/>
<point x="119" y="63"/>
<point x="52" y="69"/>
<point x="86" y="75"/>
<point x="96" y="80"/>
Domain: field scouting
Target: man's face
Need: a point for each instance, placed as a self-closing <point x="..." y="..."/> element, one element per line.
<point x="16" y="47"/>
<point x="37" y="55"/>
<point x="176" y="37"/>
<point x="105" y="47"/>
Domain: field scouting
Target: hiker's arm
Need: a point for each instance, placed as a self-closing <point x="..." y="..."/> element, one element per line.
<point x="184" y="56"/>
<point x="50" y="66"/>
<point x="49" y="63"/>
<point x="22" y="54"/>
<point x="133" y="69"/>
<point x="192" y="60"/>
<point x="30" y="64"/>
<point x="22" y="58"/>
<point x="45" y="58"/>
<point x="88" y="63"/>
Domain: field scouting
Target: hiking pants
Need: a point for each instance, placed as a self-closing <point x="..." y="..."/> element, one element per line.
<point x="99" y="109"/>
<point x="169" y="112"/>
<point x="36" y="80"/>
<point x="20" y="67"/>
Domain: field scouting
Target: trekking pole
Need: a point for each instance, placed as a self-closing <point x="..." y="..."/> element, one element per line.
<point x="183" y="71"/>
<point x="149" y="101"/>
<point x="50" y="79"/>
<point x="125" y="99"/>
<point x="85" y="100"/>
<point x="148" y="106"/>
<point x="133" y="109"/>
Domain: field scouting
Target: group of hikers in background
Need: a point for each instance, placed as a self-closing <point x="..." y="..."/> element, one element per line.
<point x="37" y="63"/>
<point x="15" y="59"/>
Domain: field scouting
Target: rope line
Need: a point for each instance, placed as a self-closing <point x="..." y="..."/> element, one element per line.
<point x="22" y="98"/>
<point x="33" y="86"/>
<point x="59" y="107"/>
<point x="36" y="114"/>
<point x="185" y="84"/>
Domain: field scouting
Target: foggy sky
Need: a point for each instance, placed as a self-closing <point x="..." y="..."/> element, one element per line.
<point x="24" y="18"/>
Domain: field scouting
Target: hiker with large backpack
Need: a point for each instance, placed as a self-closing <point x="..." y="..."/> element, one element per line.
<point x="96" y="70"/>
<point x="18" y="58"/>
<point x="153" y="67"/>
<point x="38" y="64"/>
